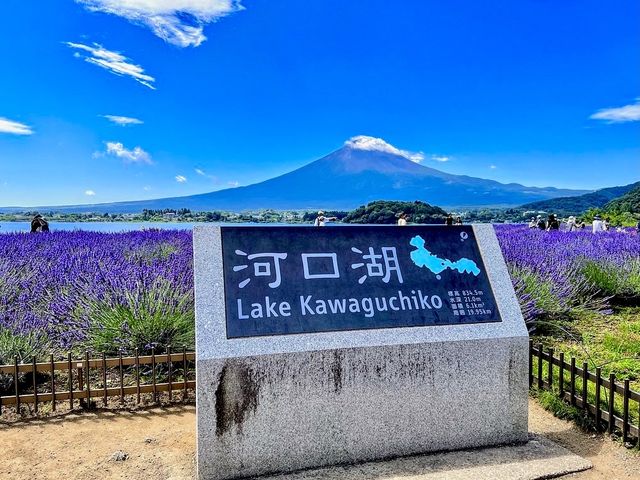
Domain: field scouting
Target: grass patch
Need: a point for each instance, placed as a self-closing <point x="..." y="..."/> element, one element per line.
<point x="611" y="342"/>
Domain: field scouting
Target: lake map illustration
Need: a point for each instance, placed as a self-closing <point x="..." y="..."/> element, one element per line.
<point x="422" y="257"/>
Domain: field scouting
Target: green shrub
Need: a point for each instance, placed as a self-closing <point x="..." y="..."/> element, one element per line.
<point x="614" y="281"/>
<point x="13" y="345"/>
<point x="154" y="317"/>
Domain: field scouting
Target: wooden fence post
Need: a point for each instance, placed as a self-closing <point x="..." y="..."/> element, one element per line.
<point x="184" y="365"/>
<point x="70" y="370"/>
<point x="561" y="376"/>
<point x="573" y="382"/>
<point x="121" y="378"/>
<point x="34" y="374"/>
<point x="625" y="411"/>
<point x="52" y="369"/>
<point x="550" y="374"/>
<point x="170" y="372"/>
<point x="105" y="400"/>
<point x="612" y="392"/>
<point x="15" y="383"/>
<point x="540" y="384"/>
<point x="86" y="359"/>
<point x="153" y="374"/>
<point x="137" y="377"/>
<point x="598" y="383"/>
<point x="530" y="363"/>
<point x="585" y="381"/>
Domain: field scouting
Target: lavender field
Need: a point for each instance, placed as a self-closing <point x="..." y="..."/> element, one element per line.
<point x="114" y="292"/>
<point x="556" y="273"/>
<point x="103" y="292"/>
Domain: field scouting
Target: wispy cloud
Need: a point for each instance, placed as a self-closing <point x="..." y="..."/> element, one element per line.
<point x="627" y="113"/>
<point x="147" y="188"/>
<point x="15" y="128"/>
<point x="233" y="184"/>
<point x="202" y="173"/>
<point x="113" y="62"/>
<point x="492" y="167"/>
<point x="181" y="179"/>
<point x="179" y="22"/>
<point x="89" y="193"/>
<point x="440" y="158"/>
<point x="136" y="155"/>
<point x="124" y="121"/>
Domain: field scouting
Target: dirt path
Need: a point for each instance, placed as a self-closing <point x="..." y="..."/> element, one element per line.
<point x="160" y="445"/>
<point x="611" y="461"/>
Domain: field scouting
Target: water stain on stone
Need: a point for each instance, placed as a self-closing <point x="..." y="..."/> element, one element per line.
<point x="236" y="395"/>
<point x="336" y="370"/>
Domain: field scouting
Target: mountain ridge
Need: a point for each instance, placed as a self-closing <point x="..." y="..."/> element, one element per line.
<point x="576" y="205"/>
<point x="365" y="169"/>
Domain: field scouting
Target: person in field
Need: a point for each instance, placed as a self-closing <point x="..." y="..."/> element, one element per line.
<point x="533" y="223"/>
<point x="598" y="225"/>
<point x="542" y="225"/>
<point x="458" y="220"/>
<point x="552" y="223"/>
<point x="572" y="226"/>
<point x="402" y="219"/>
<point x="39" y="224"/>
<point x="449" y="221"/>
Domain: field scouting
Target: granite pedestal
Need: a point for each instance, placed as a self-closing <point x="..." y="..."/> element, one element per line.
<point x="283" y="403"/>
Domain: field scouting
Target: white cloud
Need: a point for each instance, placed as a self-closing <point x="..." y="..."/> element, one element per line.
<point x="15" y="128"/>
<point x="181" y="179"/>
<point x="89" y="193"/>
<point x="124" y="121"/>
<point x="137" y="155"/>
<point x="627" y="113"/>
<point x="440" y="158"/>
<point x="179" y="22"/>
<point x="113" y="62"/>
<point x="233" y="184"/>
<point x="492" y="167"/>
<point x="146" y="188"/>
<point x="364" y="142"/>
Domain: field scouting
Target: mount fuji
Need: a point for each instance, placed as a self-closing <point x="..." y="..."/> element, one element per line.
<point x="363" y="170"/>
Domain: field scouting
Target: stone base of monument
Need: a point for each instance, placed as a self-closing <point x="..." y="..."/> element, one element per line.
<point x="536" y="459"/>
<point x="282" y="403"/>
<point x="292" y="411"/>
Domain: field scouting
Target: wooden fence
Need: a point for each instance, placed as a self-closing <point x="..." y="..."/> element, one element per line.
<point x="90" y="378"/>
<point x="606" y="401"/>
<point x="85" y="380"/>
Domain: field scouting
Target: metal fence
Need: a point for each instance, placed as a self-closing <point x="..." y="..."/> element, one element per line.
<point x="91" y="380"/>
<point x="608" y="402"/>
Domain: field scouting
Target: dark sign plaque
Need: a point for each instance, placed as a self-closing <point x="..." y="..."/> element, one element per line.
<point x="286" y="280"/>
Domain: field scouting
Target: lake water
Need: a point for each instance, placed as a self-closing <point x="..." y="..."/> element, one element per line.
<point x="110" y="227"/>
<point x="7" y="227"/>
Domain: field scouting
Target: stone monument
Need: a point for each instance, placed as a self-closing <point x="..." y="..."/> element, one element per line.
<point x="324" y="346"/>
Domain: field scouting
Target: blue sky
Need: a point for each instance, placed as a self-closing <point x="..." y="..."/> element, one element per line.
<point x="221" y="92"/>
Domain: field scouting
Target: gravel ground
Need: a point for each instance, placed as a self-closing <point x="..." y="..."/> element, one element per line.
<point x="159" y="444"/>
